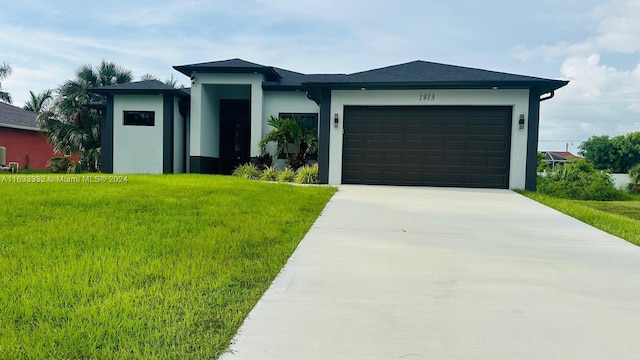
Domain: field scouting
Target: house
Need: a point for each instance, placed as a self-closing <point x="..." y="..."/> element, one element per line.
<point x="417" y="123"/>
<point x="25" y="143"/>
<point x="552" y="158"/>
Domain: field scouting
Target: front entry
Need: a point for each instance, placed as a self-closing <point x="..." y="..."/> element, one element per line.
<point x="235" y="133"/>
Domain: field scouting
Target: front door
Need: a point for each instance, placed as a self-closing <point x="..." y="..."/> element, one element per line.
<point x="235" y="133"/>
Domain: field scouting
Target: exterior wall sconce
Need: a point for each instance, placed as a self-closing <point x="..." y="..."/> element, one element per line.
<point x="336" y="120"/>
<point x="193" y="79"/>
<point x="521" y="121"/>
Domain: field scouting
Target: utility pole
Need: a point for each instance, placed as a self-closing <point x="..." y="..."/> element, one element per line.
<point x="566" y="148"/>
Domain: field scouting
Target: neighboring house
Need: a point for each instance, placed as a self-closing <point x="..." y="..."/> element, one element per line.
<point x="25" y="143"/>
<point x="418" y="123"/>
<point x="554" y="158"/>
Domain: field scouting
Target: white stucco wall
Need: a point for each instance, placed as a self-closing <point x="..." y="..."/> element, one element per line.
<point x="517" y="99"/>
<point x="276" y="102"/>
<point x="137" y="149"/>
<point x="206" y="92"/>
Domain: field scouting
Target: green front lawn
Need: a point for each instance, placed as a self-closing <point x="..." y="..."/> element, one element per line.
<point x="156" y="267"/>
<point x="619" y="218"/>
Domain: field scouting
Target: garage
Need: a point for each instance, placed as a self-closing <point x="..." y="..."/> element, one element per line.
<point x="452" y="146"/>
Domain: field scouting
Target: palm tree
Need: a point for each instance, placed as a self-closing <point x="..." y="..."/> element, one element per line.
<point x="39" y="103"/>
<point x="148" y="76"/>
<point x="172" y="81"/>
<point x="293" y="138"/>
<point x="5" y="70"/>
<point x="72" y="126"/>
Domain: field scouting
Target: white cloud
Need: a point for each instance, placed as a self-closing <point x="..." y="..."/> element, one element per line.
<point x="602" y="97"/>
<point x="618" y="30"/>
<point x="599" y="100"/>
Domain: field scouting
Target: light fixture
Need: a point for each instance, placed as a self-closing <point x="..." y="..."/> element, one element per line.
<point x="521" y="121"/>
<point x="336" y="120"/>
<point x="193" y="79"/>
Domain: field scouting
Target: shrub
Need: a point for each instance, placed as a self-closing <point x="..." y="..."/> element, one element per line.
<point x="296" y="161"/>
<point x="307" y="175"/>
<point x="270" y="174"/>
<point x="634" y="175"/>
<point x="287" y="175"/>
<point x="248" y="171"/>
<point x="61" y="165"/>
<point x="579" y="181"/>
<point x="263" y="161"/>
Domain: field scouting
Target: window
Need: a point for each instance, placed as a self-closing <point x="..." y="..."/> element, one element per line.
<point x="308" y="119"/>
<point x="139" y="118"/>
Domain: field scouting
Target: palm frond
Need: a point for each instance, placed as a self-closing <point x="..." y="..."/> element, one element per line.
<point x="5" y="70"/>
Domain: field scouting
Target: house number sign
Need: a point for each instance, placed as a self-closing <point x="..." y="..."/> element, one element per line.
<point x="427" y="97"/>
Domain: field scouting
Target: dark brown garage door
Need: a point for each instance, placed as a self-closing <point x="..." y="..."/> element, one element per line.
<point x="434" y="146"/>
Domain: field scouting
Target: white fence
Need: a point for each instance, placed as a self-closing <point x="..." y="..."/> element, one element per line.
<point x="621" y="180"/>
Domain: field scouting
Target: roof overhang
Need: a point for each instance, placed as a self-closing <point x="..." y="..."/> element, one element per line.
<point x="19" y="127"/>
<point x="107" y="91"/>
<point x="542" y="87"/>
<point x="270" y="73"/>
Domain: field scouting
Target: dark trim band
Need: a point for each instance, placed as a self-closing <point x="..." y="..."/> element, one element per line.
<point x="167" y="134"/>
<point x="106" y="138"/>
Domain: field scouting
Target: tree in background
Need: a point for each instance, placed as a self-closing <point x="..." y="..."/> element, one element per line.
<point x="171" y="81"/>
<point x="617" y="154"/>
<point x="5" y="70"/>
<point x="73" y="127"/>
<point x="40" y="102"/>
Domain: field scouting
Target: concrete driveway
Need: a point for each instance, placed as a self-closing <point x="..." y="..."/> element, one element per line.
<point x="430" y="273"/>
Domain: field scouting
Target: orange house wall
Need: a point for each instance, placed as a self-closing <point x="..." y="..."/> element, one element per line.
<point x="27" y="147"/>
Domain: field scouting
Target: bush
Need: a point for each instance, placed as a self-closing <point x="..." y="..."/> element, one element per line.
<point x="307" y="175"/>
<point x="248" y="171"/>
<point x="579" y="181"/>
<point x="270" y="174"/>
<point x="296" y="161"/>
<point x="263" y="161"/>
<point x="61" y="165"/>
<point x="287" y="175"/>
<point x="634" y="175"/>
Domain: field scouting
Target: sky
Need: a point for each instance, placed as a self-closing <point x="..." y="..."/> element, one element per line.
<point x="593" y="44"/>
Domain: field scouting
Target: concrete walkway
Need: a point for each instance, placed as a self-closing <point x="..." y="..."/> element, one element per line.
<point x="426" y="273"/>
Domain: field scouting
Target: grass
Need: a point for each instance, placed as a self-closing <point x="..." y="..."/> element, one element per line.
<point x="619" y="218"/>
<point x="159" y="267"/>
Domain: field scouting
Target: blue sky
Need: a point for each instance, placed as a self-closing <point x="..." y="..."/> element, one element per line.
<point x="594" y="44"/>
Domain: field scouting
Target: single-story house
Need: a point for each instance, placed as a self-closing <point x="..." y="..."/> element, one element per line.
<point x="25" y="143"/>
<point x="552" y="158"/>
<point x="417" y="123"/>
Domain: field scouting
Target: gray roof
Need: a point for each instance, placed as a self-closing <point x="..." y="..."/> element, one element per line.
<point x="233" y="66"/>
<point x="137" y="87"/>
<point x="292" y="79"/>
<point x="412" y="75"/>
<point x="415" y="74"/>
<point x="433" y="75"/>
<point x="276" y="78"/>
<point x="17" y="118"/>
